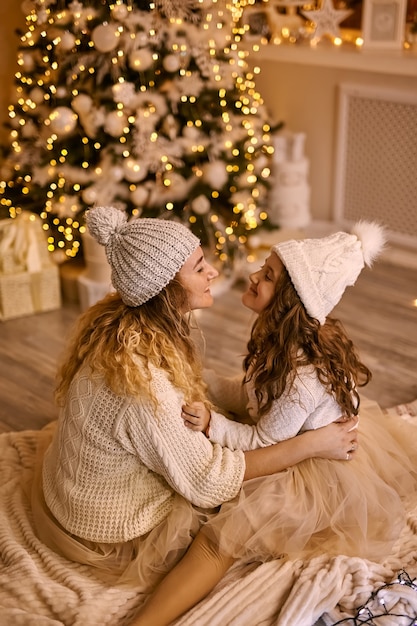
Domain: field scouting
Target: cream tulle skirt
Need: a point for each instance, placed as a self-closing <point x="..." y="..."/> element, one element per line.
<point x="141" y="562"/>
<point x="355" y="508"/>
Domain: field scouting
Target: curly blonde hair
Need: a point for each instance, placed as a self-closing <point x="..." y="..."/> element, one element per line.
<point x="284" y="337"/>
<point x="111" y="336"/>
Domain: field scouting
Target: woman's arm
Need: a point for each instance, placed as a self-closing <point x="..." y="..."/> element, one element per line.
<point x="207" y="474"/>
<point x="330" y="442"/>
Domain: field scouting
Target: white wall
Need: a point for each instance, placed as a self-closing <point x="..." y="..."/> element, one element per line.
<point x="304" y="97"/>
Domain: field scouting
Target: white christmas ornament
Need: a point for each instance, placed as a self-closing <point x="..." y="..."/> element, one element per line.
<point x="120" y="12"/>
<point x="105" y="37"/>
<point x="82" y="103"/>
<point x="115" y="122"/>
<point x="36" y="95"/>
<point x="242" y="199"/>
<point x="191" y="132"/>
<point x="139" y="196"/>
<point x="178" y="187"/>
<point x="27" y="61"/>
<point x="201" y="205"/>
<point x="116" y="173"/>
<point x="214" y="174"/>
<point x="141" y="60"/>
<point x="254" y="242"/>
<point x="247" y="179"/>
<point x="327" y="19"/>
<point x="61" y="92"/>
<point x="67" y="41"/>
<point x="124" y="93"/>
<point x="63" y="17"/>
<point x="134" y="172"/>
<point x="171" y="63"/>
<point x="141" y="39"/>
<point x="89" y="195"/>
<point x="89" y="13"/>
<point x="92" y="120"/>
<point x="62" y="121"/>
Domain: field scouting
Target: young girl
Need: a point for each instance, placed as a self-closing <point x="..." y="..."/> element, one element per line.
<point x="301" y="371"/>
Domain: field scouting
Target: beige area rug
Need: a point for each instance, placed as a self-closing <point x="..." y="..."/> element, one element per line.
<point x="39" y="588"/>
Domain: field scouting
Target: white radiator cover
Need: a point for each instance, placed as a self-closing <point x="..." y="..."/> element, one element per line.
<point x="376" y="159"/>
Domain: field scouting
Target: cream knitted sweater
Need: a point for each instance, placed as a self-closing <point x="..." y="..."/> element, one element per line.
<point x="305" y="407"/>
<point x="114" y="464"/>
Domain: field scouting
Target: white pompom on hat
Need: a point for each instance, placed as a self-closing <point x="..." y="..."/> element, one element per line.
<point x="144" y="253"/>
<point x="321" y="269"/>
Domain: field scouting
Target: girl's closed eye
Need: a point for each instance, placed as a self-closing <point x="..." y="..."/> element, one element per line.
<point x="266" y="272"/>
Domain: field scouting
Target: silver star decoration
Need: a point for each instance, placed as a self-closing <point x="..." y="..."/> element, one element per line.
<point x="327" y="19"/>
<point x="76" y="6"/>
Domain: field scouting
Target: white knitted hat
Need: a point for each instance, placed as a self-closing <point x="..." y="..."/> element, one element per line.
<point x="144" y="253"/>
<point x="321" y="269"/>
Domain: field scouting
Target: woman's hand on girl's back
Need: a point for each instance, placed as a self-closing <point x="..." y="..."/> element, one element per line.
<point x="337" y="441"/>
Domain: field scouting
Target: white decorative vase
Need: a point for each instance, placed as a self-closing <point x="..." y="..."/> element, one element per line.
<point x="97" y="267"/>
<point x="95" y="281"/>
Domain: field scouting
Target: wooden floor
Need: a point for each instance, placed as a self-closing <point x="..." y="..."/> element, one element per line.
<point x="379" y="312"/>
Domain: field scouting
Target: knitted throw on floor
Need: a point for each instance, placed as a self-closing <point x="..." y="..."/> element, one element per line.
<point x="40" y="588"/>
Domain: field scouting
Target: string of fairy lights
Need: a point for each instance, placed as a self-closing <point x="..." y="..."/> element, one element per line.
<point x="66" y="53"/>
<point x="381" y="608"/>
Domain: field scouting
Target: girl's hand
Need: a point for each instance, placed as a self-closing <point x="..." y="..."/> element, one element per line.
<point x="196" y="416"/>
<point x="338" y="441"/>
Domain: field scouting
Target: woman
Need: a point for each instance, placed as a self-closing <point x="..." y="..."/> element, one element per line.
<point x="125" y="486"/>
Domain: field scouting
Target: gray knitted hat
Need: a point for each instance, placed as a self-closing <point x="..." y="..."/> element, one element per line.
<point x="144" y="253"/>
<point x="321" y="269"/>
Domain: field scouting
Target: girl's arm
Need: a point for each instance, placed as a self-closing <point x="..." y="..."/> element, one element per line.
<point x="283" y="421"/>
<point x="333" y="441"/>
<point x="307" y="402"/>
<point x="329" y="442"/>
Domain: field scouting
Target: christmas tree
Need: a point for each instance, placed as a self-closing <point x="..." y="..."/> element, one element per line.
<point x="149" y="106"/>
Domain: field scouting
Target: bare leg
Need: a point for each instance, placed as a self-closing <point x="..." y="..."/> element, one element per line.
<point x="198" y="572"/>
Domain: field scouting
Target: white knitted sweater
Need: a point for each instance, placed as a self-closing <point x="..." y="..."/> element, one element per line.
<point x="114" y="464"/>
<point x="305" y="407"/>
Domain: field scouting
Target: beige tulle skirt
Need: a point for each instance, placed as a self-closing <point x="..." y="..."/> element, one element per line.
<point x="141" y="562"/>
<point x="355" y="508"/>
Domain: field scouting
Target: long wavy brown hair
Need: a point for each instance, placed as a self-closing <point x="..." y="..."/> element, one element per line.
<point x="284" y="337"/>
<point x="111" y="337"/>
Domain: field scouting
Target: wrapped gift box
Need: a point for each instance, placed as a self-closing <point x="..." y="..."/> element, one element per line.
<point x="29" y="280"/>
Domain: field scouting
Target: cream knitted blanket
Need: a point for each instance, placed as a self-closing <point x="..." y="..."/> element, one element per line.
<point x="39" y="588"/>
